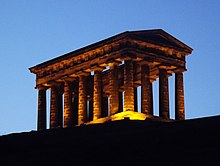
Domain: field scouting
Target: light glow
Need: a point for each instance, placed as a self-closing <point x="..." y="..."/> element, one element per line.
<point x="131" y="115"/>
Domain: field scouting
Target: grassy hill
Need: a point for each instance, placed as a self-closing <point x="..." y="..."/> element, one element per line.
<point x="125" y="142"/>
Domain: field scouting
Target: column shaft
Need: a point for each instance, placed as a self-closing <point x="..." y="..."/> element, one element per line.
<point x="97" y="95"/>
<point x="128" y="86"/>
<point x="146" y="91"/>
<point x="82" y="100"/>
<point x="163" y="94"/>
<point x="41" y="119"/>
<point x="68" y="105"/>
<point x="54" y="107"/>
<point x="113" y="90"/>
<point x="179" y="97"/>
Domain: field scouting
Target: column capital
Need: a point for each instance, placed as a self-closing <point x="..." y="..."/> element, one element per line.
<point x="54" y="83"/>
<point x="68" y="84"/>
<point x="179" y="70"/>
<point x="168" y="72"/>
<point x="114" y="64"/>
<point x="67" y="81"/>
<point x="128" y="58"/>
<point x="68" y="78"/>
<point x="98" y="68"/>
<point x="83" y="73"/>
<point x="41" y="87"/>
<point x="162" y="67"/>
<point x="153" y="78"/>
<point x="167" y="67"/>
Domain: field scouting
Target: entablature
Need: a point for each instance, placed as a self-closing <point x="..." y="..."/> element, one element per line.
<point x="138" y="46"/>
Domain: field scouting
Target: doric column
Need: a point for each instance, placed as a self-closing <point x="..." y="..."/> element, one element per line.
<point x="163" y="94"/>
<point x="54" y="117"/>
<point x="82" y="108"/>
<point x="179" y="97"/>
<point x="146" y="91"/>
<point x="75" y="100"/>
<point x="113" y="89"/>
<point x="41" y="116"/>
<point x="97" y="94"/>
<point x="68" y="105"/>
<point x="128" y="86"/>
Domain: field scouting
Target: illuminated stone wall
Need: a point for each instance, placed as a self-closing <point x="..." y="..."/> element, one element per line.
<point x="101" y="80"/>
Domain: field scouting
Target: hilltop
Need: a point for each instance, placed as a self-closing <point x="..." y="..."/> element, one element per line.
<point x="124" y="142"/>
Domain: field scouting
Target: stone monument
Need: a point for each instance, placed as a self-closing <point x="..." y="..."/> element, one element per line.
<point x="99" y="82"/>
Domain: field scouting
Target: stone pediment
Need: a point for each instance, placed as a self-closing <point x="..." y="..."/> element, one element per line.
<point x="160" y="37"/>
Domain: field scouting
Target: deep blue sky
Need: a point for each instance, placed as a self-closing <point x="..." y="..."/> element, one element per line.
<point x="35" y="31"/>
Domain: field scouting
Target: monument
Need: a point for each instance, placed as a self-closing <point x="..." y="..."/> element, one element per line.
<point x="99" y="82"/>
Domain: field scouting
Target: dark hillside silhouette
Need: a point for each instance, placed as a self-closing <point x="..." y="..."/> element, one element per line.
<point x="190" y="142"/>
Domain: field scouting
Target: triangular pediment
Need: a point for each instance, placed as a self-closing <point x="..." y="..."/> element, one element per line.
<point x="159" y="37"/>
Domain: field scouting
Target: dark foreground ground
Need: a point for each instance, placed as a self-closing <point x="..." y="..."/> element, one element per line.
<point x="191" y="142"/>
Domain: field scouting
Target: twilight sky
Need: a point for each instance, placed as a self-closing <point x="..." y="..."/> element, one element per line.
<point x="32" y="32"/>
